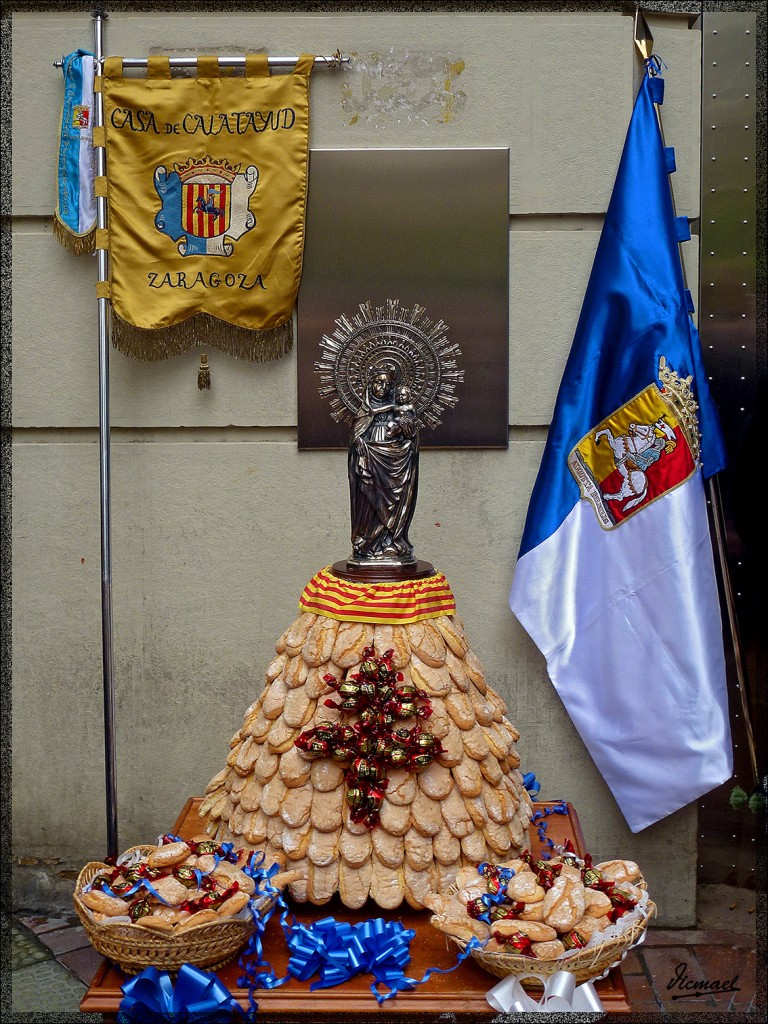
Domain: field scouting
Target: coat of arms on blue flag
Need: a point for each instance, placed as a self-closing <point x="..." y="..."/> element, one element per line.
<point x="638" y="453"/>
<point x="204" y="201"/>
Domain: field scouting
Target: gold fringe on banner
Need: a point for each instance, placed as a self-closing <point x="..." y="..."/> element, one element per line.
<point x="80" y="245"/>
<point x="201" y="330"/>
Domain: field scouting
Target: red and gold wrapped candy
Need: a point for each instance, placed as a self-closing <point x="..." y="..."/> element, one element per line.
<point x="139" y="909"/>
<point x="591" y="878"/>
<point x="622" y="902"/>
<point x="209" y="900"/>
<point x="506" y="911"/>
<point x="573" y="940"/>
<point x="372" y="745"/>
<point x="517" y="940"/>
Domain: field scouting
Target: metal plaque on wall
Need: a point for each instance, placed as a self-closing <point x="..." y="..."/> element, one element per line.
<point x="427" y="227"/>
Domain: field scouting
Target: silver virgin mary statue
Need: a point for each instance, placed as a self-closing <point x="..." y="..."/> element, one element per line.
<point x="383" y="469"/>
<point x="388" y="372"/>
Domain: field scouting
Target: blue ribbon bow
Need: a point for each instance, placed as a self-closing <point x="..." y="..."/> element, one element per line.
<point x="337" y="951"/>
<point x="152" y="998"/>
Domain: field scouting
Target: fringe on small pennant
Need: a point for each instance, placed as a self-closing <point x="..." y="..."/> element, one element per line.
<point x="80" y="245"/>
<point x="201" y="330"/>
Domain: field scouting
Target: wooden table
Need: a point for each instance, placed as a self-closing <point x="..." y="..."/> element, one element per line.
<point x="461" y="993"/>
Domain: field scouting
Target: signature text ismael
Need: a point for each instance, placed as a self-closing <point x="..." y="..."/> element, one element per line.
<point x="688" y="988"/>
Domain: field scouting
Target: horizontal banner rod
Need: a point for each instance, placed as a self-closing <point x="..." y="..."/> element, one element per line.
<point x="332" y="61"/>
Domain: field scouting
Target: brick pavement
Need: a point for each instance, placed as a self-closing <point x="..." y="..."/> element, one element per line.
<point x="693" y="971"/>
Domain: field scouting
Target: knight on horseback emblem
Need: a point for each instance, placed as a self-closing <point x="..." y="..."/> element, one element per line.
<point x="639" y="452"/>
<point x="633" y="455"/>
<point x="205" y="205"/>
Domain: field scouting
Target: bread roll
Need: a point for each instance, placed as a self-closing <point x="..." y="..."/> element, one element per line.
<point x="155" y="923"/>
<point x="111" y="906"/>
<point x="233" y="905"/>
<point x="168" y="855"/>
<point x="618" y="870"/>
<point x="536" y="931"/>
<point x="564" y="904"/>
<point x="547" y="950"/>
<point x="597" y="904"/>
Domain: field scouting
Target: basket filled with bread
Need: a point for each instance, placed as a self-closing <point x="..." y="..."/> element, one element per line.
<point x="533" y="918"/>
<point x="193" y="901"/>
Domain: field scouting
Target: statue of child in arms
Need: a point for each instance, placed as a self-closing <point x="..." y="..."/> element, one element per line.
<point x="405" y="421"/>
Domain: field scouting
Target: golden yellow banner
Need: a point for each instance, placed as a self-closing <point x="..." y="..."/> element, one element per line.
<point x="206" y="191"/>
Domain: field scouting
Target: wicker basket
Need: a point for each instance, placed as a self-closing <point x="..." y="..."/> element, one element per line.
<point x="585" y="965"/>
<point x="209" y="945"/>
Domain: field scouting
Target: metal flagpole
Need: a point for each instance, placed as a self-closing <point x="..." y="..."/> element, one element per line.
<point x="329" y="61"/>
<point x="713" y="492"/>
<point x="104" y="474"/>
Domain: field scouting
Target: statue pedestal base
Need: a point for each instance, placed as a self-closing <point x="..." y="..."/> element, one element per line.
<point x="383" y="573"/>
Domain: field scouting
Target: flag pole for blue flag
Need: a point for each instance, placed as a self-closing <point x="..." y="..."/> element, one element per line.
<point x="742" y="684"/>
<point x="644" y="43"/>
<point x="642" y="34"/>
<point x="615" y="579"/>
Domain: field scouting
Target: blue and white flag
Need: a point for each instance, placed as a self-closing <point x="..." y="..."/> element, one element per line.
<point x="615" y="579"/>
<point x="75" y="220"/>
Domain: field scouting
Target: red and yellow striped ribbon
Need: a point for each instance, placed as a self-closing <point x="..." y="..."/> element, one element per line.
<point x="386" y="603"/>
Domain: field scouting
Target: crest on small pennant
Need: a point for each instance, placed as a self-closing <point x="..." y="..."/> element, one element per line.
<point x="648" y="446"/>
<point x="205" y="205"/>
<point x="81" y="116"/>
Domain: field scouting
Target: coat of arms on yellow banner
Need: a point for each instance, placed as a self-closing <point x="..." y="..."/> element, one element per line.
<point x="206" y="192"/>
<point x="205" y="205"/>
